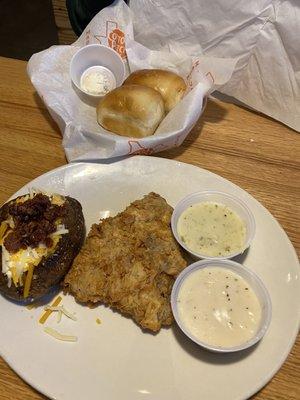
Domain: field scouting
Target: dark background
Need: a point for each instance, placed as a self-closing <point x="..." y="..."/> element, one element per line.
<point x="26" y="27"/>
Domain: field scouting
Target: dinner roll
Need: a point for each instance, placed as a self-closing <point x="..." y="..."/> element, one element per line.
<point x="170" y="85"/>
<point x="131" y="110"/>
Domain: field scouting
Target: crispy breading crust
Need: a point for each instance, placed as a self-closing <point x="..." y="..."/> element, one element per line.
<point x="129" y="263"/>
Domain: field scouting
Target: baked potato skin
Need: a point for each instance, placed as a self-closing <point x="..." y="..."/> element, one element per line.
<point x="52" y="269"/>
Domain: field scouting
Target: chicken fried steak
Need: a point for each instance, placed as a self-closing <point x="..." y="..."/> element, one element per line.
<point x="129" y="262"/>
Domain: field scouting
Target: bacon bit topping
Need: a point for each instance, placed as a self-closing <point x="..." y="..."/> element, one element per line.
<point x="34" y="221"/>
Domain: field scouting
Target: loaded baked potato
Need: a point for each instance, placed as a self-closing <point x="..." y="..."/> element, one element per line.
<point x="40" y="234"/>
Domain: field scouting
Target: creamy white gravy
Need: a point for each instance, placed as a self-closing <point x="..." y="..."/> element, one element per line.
<point x="218" y="307"/>
<point x="211" y="229"/>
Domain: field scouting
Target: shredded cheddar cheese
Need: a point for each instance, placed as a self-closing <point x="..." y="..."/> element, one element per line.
<point x="3" y="228"/>
<point x="47" y="313"/>
<point x="57" y="335"/>
<point x="98" y="321"/>
<point x="14" y="276"/>
<point x="61" y="310"/>
<point x="28" y="281"/>
<point x="22" y="199"/>
<point x="32" y="306"/>
<point x="59" y="315"/>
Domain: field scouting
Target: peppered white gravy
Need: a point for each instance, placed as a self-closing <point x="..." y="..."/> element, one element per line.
<point x="211" y="229"/>
<point x="218" y="307"/>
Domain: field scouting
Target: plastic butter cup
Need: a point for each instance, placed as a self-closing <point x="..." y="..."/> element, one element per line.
<point x="97" y="58"/>
<point x="235" y="204"/>
<point x="254" y="282"/>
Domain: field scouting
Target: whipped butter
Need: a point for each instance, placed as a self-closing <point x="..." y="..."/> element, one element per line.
<point x="97" y="81"/>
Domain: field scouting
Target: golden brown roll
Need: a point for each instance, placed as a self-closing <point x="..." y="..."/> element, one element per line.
<point x="131" y="110"/>
<point x="170" y="85"/>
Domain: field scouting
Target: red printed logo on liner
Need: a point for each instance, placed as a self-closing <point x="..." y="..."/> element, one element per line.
<point x="116" y="40"/>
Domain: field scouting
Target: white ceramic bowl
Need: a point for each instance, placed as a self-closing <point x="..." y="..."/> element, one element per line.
<point x="254" y="282"/>
<point x="237" y="205"/>
<point x="103" y="57"/>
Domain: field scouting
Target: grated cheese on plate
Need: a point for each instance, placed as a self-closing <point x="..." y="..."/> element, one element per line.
<point x="59" y="336"/>
<point x="61" y="310"/>
<point x="47" y="313"/>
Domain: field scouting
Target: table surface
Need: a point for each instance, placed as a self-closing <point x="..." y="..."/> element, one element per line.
<point x="255" y="152"/>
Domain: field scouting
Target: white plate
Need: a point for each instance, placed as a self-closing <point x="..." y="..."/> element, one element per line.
<point x="115" y="360"/>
